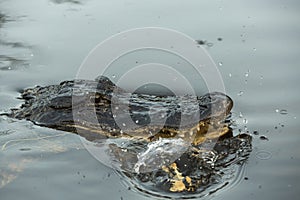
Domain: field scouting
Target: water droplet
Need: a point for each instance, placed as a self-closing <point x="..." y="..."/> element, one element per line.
<point x="123" y="124"/>
<point x="25" y="149"/>
<point x="277" y="110"/>
<point x="255" y="133"/>
<point x="263" y="138"/>
<point x="136" y="121"/>
<point x="283" y="112"/>
<point x="240" y="115"/>
<point x="220" y="64"/>
<point x="201" y="42"/>
<point x="240" y="93"/>
<point x="246" y="74"/>
<point x="230" y="75"/>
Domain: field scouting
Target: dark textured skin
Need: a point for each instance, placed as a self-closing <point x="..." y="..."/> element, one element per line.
<point x="75" y="102"/>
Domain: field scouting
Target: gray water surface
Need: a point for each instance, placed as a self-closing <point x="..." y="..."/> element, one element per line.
<point x="44" y="42"/>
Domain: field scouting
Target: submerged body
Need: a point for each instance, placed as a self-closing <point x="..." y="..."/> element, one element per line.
<point x="96" y="111"/>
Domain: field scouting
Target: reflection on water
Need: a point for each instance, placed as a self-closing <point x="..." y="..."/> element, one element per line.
<point x="67" y="1"/>
<point x="17" y="55"/>
<point x="13" y="55"/>
<point x="2" y="19"/>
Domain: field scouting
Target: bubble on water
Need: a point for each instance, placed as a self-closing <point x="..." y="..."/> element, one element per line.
<point x="210" y="44"/>
<point x="245" y="121"/>
<point x="123" y="124"/>
<point x="220" y="64"/>
<point x="283" y="112"/>
<point x="261" y="77"/>
<point x="136" y="121"/>
<point x="254" y="49"/>
<point x="220" y="39"/>
<point x="230" y="75"/>
<point x="263" y="155"/>
<point x="240" y="93"/>
<point x="113" y="76"/>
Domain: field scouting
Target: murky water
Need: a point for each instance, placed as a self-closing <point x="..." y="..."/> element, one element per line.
<point x="256" y="47"/>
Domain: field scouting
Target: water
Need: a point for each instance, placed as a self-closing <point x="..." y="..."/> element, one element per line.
<point x="44" y="42"/>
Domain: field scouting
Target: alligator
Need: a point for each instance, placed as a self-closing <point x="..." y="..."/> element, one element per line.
<point x="177" y="145"/>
